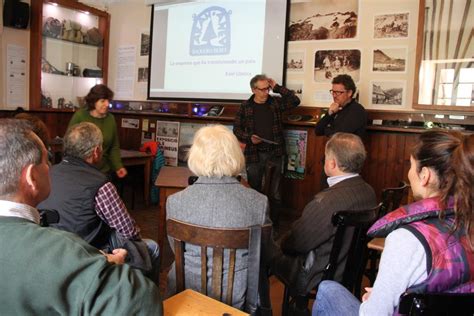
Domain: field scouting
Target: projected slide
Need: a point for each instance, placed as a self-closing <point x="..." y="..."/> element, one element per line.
<point x="213" y="46"/>
<point x="213" y="49"/>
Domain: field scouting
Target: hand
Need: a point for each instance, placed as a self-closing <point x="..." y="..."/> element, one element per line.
<point x="117" y="256"/>
<point x="255" y="139"/>
<point x="121" y="173"/>
<point x="366" y="295"/>
<point x="334" y="108"/>
<point x="272" y="83"/>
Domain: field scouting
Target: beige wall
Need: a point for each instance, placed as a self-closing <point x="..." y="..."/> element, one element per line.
<point x="132" y="17"/>
<point x="128" y="21"/>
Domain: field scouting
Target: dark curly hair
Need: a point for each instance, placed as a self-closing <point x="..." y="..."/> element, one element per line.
<point x="97" y="92"/>
<point x="346" y="81"/>
<point x="451" y="155"/>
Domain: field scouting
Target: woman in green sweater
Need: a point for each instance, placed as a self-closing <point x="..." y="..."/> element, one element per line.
<point x="96" y="111"/>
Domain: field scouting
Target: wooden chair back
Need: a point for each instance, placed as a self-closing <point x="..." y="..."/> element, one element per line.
<point x="219" y="239"/>
<point x="392" y="198"/>
<point x="360" y="222"/>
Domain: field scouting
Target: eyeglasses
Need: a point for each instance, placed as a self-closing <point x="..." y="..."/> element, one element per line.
<point x="266" y="89"/>
<point x="337" y="93"/>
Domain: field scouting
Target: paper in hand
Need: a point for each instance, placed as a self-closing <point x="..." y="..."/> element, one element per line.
<point x="266" y="140"/>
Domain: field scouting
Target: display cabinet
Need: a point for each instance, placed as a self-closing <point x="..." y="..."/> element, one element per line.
<point x="69" y="52"/>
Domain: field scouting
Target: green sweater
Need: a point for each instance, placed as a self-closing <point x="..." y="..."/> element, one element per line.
<point x="45" y="271"/>
<point x="111" y="160"/>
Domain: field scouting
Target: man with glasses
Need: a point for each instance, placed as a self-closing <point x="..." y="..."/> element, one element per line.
<point x="345" y="114"/>
<point x="258" y="126"/>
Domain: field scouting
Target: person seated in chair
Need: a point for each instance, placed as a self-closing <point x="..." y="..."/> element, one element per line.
<point x="216" y="199"/>
<point x="314" y="231"/>
<point x="89" y="205"/>
<point x="429" y="243"/>
<point x="45" y="271"/>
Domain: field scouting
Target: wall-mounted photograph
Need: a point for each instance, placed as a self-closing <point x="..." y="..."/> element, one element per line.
<point x="323" y="20"/>
<point x="142" y="74"/>
<point x="393" y="25"/>
<point x="144" y="44"/>
<point x="389" y="59"/>
<point x="330" y="63"/>
<point x="297" y="87"/>
<point x="295" y="61"/>
<point x="388" y="92"/>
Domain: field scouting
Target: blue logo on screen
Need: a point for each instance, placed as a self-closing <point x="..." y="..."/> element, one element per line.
<point x="211" y="32"/>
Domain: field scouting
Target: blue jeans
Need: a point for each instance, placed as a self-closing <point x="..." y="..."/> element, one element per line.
<point x="154" y="251"/>
<point x="333" y="299"/>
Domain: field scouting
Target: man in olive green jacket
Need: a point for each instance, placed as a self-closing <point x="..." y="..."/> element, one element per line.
<point x="45" y="271"/>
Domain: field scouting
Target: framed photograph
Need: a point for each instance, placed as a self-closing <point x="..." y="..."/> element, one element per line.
<point x="142" y="74"/>
<point x="393" y="25"/>
<point x="388" y="92"/>
<point x="389" y="59"/>
<point x="330" y="63"/>
<point x="295" y="61"/>
<point x="323" y="20"/>
<point x="297" y="87"/>
<point x="144" y="44"/>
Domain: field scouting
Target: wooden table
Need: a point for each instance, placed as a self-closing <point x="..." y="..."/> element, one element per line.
<point x="136" y="158"/>
<point x="170" y="180"/>
<point x="192" y="303"/>
<point x="376" y="244"/>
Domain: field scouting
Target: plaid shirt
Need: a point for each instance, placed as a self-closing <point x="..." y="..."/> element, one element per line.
<point x="111" y="209"/>
<point x="244" y="122"/>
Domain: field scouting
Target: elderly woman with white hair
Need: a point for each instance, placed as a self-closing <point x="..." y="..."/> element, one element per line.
<point x="216" y="199"/>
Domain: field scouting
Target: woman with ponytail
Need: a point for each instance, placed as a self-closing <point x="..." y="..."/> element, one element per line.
<point x="429" y="246"/>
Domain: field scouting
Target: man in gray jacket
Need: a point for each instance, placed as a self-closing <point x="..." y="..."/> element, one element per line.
<point x="345" y="156"/>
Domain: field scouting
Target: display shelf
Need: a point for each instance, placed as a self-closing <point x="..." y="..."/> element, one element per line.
<point x="57" y="62"/>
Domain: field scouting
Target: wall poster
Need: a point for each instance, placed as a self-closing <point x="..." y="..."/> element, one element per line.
<point x="296" y="142"/>
<point x="167" y="134"/>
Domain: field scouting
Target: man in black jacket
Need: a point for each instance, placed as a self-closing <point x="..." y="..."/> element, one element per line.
<point x="345" y="114"/>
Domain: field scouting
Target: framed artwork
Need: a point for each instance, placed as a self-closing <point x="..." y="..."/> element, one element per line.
<point x="297" y="87"/>
<point x="389" y="59"/>
<point x="295" y="61"/>
<point x="323" y="20"/>
<point x="330" y="63"/>
<point x="142" y="74"/>
<point x="388" y="92"/>
<point x="144" y="44"/>
<point x="393" y="25"/>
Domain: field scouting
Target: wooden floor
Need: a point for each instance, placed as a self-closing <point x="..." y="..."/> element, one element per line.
<point x="147" y="220"/>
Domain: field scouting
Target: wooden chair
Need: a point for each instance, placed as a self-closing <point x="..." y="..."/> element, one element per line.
<point x="219" y="239"/>
<point x="391" y="200"/>
<point x="436" y="304"/>
<point x="359" y="221"/>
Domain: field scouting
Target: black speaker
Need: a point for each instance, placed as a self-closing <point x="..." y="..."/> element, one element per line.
<point x="16" y="14"/>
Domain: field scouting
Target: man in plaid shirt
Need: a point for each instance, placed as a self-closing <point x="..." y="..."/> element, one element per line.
<point x="87" y="202"/>
<point x="258" y="125"/>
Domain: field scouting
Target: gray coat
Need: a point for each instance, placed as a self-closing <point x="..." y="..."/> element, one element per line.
<point x="220" y="203"/>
